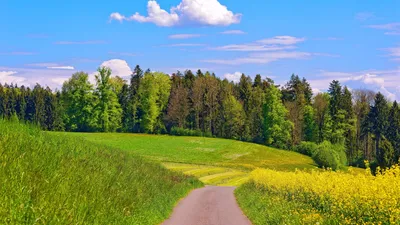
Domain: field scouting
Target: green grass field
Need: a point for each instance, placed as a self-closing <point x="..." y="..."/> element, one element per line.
<point x="48" y="178"/>
<point x="214" y="161"/>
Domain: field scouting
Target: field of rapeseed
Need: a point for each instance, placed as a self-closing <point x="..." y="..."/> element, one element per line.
<point x="323" y="197"/>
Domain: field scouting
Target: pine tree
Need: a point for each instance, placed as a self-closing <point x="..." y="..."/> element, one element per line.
<point x="378" y="121"/>
<point x="134" y="100"/>
<point x="393" y="131"/>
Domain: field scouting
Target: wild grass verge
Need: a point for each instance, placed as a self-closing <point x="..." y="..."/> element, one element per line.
<point x="48" y="178"/>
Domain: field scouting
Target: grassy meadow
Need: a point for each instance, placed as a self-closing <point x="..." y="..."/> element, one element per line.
<point x="214" y="161"/>
<point x="321" y="197"/>
<point x="48" y="178"/>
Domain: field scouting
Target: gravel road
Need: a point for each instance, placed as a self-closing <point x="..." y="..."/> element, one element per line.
<point x="208" y="206"/>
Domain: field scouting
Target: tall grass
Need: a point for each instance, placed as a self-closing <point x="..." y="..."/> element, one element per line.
<point x="50" y="178"/>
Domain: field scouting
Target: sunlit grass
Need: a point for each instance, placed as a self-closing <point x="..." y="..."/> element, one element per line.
<point x="49" y="178"/>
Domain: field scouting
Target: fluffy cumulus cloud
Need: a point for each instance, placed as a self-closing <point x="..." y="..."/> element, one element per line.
<point x="54" y="75"/>
<point x="387" y="81"/>
<point x="9" y="78"/>
<point x="235" y="77"/>
<point x="118" y="67"/>
<point x="188" y="12"/>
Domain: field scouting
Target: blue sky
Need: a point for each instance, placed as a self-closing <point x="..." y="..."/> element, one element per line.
<point x="356" y="42"/>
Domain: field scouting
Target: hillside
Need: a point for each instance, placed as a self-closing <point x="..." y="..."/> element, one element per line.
<point x="53" y="179"/>
<point x="214" y="161"/>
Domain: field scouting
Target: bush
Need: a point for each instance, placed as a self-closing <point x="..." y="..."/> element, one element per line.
<point x="330" y="156"/>
<point x="326" y="155"/>
<point x="178" y="131"/>
<point x="306" y="148"/>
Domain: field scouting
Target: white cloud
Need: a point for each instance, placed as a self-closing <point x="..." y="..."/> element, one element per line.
<point x="183" y="36"/>
<point x="7" y="77"/>
<point x="316" y="91"/>
<point x="235" y="77"/>
<point x="119" y="67"/>
<point x="262" y="58"/>
<point x="277" y="43"/>
<point x="233" y="32"/>
<point x="385" y="81"/>
<point x="282" y="40"/>
<point x="363" y="16"/>
<point x="54" y="66"/>
<point x="29" y="77"/>
<point x="252" y="47"/>
<point x="61" y="67"/>
<point x="188" y="12"/>
<point x="394" y="52"/>
<point x="391" y="28"/>
<point x="59" y="80"/>
<point x="370" y="79"/>
<point x="183" y="45"/>
<point x="79" y="42"/>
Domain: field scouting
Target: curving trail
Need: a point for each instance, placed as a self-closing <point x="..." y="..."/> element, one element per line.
<point x="210" y="205"/>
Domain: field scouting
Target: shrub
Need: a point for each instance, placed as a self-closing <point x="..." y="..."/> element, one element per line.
<point x="330" y="156"/>
<point x="326" y="155"/>
<point x="306" y="148"/>
<point x="178" y="131"/>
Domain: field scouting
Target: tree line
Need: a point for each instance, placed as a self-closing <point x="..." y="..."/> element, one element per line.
<point x="364" y="123"/>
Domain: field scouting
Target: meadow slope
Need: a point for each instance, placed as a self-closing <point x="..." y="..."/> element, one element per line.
<point x="53" y="179"/>
<point x="214" y="161"/>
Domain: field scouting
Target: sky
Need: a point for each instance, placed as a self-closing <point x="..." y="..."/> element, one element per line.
<point x="355" y="42"/>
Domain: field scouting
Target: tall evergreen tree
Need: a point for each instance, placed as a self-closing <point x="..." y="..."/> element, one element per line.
<point x="393" y="131"/>
<point x="378" y="120"/>
<point x="134" y="100"/>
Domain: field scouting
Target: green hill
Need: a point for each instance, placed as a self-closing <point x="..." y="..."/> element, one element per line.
<point x="55" y="179"/>
<point x="214" y="161"/>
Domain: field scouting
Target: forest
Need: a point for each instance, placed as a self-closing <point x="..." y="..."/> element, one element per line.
<point x="338" y="128"/>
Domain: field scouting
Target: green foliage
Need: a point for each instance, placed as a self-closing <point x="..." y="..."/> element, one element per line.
<point x="108" y="110"/>
<point x="49" y="178"/>
<point x="385" y="157"/>
<point x="154" y="91"/>
<point x="78" y="101"/>
<point x="234" y="117"/>
<point x="306" y="148"/>
<point x="330" y="156"/>
<point x="393" y="132"/>
<point x="309" y="126"/>
<point x="326" y="155"/>
<point x="276" y="127"/>
<point x="178" y="131"/>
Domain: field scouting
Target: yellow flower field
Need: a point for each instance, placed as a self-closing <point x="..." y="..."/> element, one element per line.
<point x="344" y="198"/>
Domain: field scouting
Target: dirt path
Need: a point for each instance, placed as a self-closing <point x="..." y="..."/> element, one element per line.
<point x="210" y="205"/>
